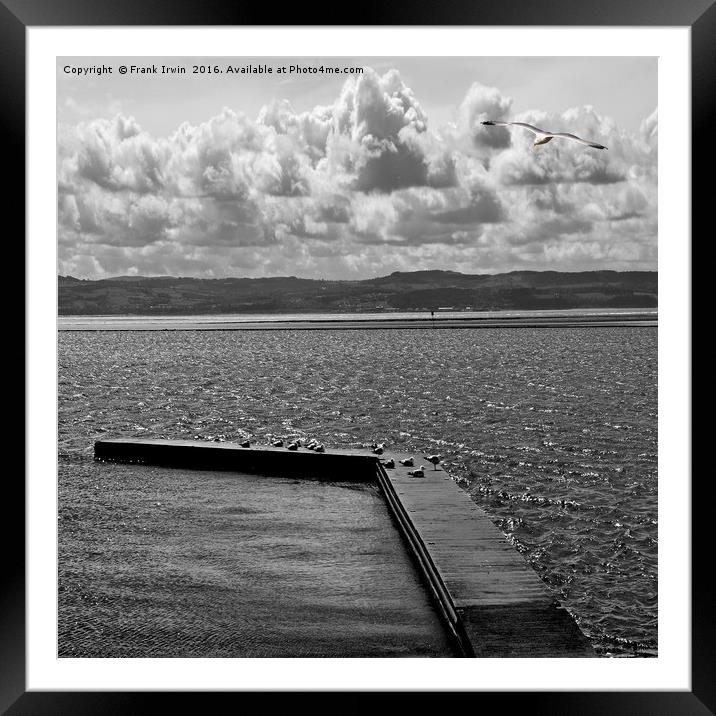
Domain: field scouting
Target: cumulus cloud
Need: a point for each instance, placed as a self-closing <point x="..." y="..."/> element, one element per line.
<point x="484" y="103"/>
<point x="361" y="187"/>
<point x="566" y="162"/>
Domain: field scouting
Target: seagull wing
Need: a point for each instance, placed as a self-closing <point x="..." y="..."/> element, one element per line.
<point x="574" y="138"/>
<point x="535" y="130"/>
<point x="530" y="127"/>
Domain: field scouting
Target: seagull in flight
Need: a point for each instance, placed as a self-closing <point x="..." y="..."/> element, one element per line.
<point x="542" y="136"/>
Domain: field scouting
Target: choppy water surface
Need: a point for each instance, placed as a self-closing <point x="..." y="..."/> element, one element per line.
<point x="163" y="562"/>
<point x="553" y="432"/>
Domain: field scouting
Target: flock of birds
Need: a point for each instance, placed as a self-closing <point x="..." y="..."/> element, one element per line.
<point x="407" y="462"/>
<point x="294" y="445"/>
<point x="376" y="448"/>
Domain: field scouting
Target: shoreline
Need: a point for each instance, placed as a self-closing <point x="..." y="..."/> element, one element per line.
<point x="207" y="323"/>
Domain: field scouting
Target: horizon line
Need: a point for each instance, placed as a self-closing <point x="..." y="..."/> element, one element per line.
<point x="301" y="278"/>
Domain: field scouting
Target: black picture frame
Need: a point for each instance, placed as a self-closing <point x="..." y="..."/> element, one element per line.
<point x="699" y="15"/>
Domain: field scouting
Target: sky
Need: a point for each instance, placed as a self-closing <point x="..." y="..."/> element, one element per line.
<point x="356" y="175"/>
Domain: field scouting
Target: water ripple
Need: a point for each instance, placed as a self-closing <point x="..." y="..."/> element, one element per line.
<point x="553" y="432"/>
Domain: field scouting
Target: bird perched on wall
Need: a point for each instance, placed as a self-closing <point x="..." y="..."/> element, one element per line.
<point x="542" y="136"/>
<point x="408" y="462"/>
<point x="417" y="473"/>
<point x="390" y="464"/>
<point x="277" y="443"/>
<point x="320" y="448"/>
<point x="245" y="443"/>
<point x="434" y="459"/>
<point x="292" y="446"/>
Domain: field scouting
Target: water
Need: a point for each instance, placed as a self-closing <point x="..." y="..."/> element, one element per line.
<point x="553" y="431"/>
<point x="159" y="562"/>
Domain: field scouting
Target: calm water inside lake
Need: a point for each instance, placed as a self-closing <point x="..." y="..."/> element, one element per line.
<point x="552" y="431"/>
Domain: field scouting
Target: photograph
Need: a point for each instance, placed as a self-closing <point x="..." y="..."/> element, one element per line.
<point x="357" y="357"/>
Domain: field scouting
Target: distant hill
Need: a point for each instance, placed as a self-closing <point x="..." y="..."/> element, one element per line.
<point x="415" y="290"/>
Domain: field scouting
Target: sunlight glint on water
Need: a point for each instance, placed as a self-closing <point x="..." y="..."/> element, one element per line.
<point x="553" y="432"/>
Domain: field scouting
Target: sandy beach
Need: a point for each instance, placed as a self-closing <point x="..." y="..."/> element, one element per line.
<point x="565" y="319"/>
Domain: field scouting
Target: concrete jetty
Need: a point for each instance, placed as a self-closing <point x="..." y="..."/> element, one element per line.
<point x="492" y="602"/>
